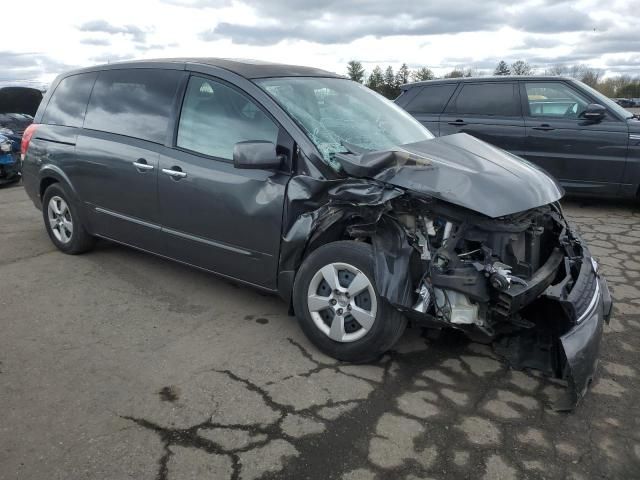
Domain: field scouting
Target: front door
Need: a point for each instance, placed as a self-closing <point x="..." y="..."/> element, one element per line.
<point x="489" y="111"/>
<point x="213" y="215"/>
<point x="585" y="156"/>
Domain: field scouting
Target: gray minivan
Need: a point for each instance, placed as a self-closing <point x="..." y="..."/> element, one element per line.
<point x="584" y="139"/>
<point x="307" y="185"/>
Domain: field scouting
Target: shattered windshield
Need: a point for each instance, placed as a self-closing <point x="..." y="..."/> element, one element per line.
<point x="338" y="113"/>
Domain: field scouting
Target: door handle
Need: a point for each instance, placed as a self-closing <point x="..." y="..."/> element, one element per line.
<point x="142" y="165"/>
<point x="175" y="172"/>
<point x="544" y="127"/>
<point x="458" y="122"/>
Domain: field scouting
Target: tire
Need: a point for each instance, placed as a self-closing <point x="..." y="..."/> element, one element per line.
<point x="64" y="226"/>
<point x="352" y="340"/>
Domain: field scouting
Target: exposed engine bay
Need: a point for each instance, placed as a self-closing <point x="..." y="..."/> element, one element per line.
<point x="520" y="282"/>
<point x="472" y="265"/>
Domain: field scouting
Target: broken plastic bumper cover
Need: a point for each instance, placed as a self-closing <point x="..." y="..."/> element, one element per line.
<point x="581" y="344"/>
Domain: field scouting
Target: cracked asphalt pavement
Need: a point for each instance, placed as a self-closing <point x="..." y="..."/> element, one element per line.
<point x="117" y="364"/>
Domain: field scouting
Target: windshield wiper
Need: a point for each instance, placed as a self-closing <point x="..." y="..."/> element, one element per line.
<point x="353" y="149"/>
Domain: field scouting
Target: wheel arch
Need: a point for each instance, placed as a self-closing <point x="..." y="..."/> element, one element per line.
<point x="50" y="175"/>
<point x="332" y="232"/>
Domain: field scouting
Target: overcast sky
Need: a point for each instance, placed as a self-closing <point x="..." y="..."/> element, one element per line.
<point x="49" y="37"/>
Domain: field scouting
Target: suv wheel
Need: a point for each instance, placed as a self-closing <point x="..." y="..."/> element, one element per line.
<point x="338" y="306"/>
<point x="62" y="222"/>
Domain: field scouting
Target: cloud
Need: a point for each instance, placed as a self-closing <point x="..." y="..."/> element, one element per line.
<point x="269" y="35"/>
<point x="98" y="42"/>
<point x="102" y="26"/>
<point x="553" y="19"/>
<point x="199" y="3"/>
<point x="337" y="21"/>
<point x="155" y="46"/>
<point x="534" y="41"/>
<point x="111" y="57"/>
<point x="334" y="21"/>
<point x="614" y="41"/>
<point x="17" y="66"/>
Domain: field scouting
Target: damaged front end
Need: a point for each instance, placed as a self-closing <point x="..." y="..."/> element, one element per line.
<point x="522" y="281"/>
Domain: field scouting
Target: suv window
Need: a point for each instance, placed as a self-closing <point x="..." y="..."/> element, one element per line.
<point x="68" y="102"/>
<point x="135" y="102"/>
<point x="431" y="99"/>
<point x="215" y="117"/>
<point x="495" y="98"/>
<point x="547" y="99"/>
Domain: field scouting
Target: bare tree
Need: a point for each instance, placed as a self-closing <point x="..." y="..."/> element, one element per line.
<point x="591" y="77"/>
<point x="421" y="74"/>
<point x="455" y="73"/>
<point x="520" y="67"/>
<point x="556" y="70"/>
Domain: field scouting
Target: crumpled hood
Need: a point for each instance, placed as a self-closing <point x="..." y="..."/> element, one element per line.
<point x="462" y="170"/>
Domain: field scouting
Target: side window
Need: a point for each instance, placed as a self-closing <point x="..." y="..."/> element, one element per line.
<point x="495" y="98"/>
<point x="69" y="101"/>
<point x="215" y="117"/>
<point x="554" y="99"/>
<point x="431" y="99"/>
<point x="134" y="102"/>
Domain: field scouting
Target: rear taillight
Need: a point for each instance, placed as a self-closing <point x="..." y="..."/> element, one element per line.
<point x="26" y="138"/>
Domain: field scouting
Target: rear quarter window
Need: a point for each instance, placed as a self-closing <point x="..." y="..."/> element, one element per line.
<point x="135" y="102"/>
<point x="431" y="99"/>
<point x="68" y="103"/>
<point x="495" y="98"/>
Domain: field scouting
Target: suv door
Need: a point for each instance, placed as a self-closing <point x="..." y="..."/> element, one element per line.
<point x="489" y="111"/>
<point x="126" y="124"/>
<point x="215" y="216"/>
<point x="582" y="154"/>
<point x="427" y="104"/>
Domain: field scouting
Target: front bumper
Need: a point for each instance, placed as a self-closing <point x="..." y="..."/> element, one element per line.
<point x="581" y="344"/>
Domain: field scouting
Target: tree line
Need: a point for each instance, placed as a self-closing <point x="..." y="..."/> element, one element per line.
<point x="389" y="83"/>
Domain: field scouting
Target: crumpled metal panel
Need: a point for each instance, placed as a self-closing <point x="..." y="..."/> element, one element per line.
<point x="314" y="206"/>
<point x="462" y="170"/>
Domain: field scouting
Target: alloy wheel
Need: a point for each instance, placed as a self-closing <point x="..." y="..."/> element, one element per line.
<point x="342" y="302"/>
<point x="60" y="219"/>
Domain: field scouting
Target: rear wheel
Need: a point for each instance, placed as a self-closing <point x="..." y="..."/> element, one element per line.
<point x="338" y="306"/>
<point x="63" y="223"/>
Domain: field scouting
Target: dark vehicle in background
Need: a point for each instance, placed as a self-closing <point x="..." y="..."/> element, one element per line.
<point x="18" y="105"/>
<point x="584" y="139"/>
<point x="313" y="187"/>
<point x="626" y="102"/>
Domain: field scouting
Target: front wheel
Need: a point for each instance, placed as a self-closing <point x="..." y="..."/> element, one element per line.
<point x="338" y="306"/>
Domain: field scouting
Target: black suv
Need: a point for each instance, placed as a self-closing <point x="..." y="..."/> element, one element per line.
<point x="584" y="139"/>
<point x="311" y="186"/>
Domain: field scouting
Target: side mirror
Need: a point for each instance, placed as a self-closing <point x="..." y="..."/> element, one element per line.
<point x="594" y="112"/>
<point x="257" y="154"/>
